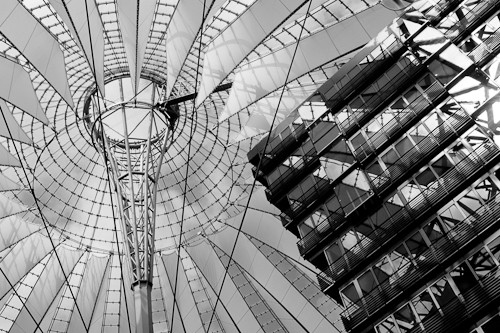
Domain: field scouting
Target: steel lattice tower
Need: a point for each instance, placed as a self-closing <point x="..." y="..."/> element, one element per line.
<point x="134" y="161"/>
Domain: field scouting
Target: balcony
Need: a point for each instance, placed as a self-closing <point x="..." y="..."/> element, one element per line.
<point x="323" y="229"/>
<point x="488" y="49"/>
<point x="459" y="30"/>
<point x="439" y="138"/>
<point x="376" y="67"/>
<point x="370" y="71"/>
<point x="459" y="316"/>
<point x="296" y="172"/>
<point x="410" y="215"/>
<point x="322" y="190"/>
<point x="442" y="253"/>
<point x="392" y="177"/>
<point x="280" y="149"/>
<point x="372" y="106"/>
<point x="397" y="125"/>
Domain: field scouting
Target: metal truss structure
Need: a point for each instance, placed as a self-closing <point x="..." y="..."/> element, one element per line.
<point x="134" y="167"/>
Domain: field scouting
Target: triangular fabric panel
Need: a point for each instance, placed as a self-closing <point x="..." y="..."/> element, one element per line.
<point x="16" y="88"/>
<point x="9" y="207"/>
<point x="158" y="301"/>
<point x="36" y="44"/>
<point x="6" y="184"/>
<point x="21" y="259"/>
<point x="7" y="159"/>
<point x="9" y="128"/>
<point x="51" y="311"/>
<point x="173" y="314"/>
<point x="15" y="229"/>
<point x="263" y="271"/>
<point x="46" y="288"/>
<point x="98" y="315"/>
<point x="210" y="265"/>
<point x="92" y="280"/>
<point x="228" y="325"/>
<point x="303" y="279"/>
<point x="135" y="18"/>
<point x="263" y="111"/>
<point x="232" y="46"/>
<point x="181" y="34"/>
<point x="84" y="22"/>
<point x="266" y="317"/>
<point x="185" y="301"/>
<point x="260" y="77"/>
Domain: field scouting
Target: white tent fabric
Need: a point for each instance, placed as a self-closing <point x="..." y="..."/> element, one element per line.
<point x="8" y="207"/>
<point x="135" y="18"/>
<point x="85" y="24"/>
<point x="62" y="258"/>
<point x="9" y="128"/>
<point x="16" y="88"/>
<point x="7" y="159"/>
<point x="182" y="31"/>
<point x="279" y="105"/>
<point x="7" y="184"/>
<point x="260" y="77"/>
<point x="229" y="48"/>
<point x="49" y="281"/>
<point x="91" y="285"/>
<point x="36" y="44"/>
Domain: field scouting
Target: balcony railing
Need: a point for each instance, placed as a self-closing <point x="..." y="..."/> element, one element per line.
<point x="470" y="19"/>
<point x="425" y="147"/>
<point x="321" y="190"/>
<point x="440" y="251"/>
<point x="399" y="122"/>
<point x="281" y="148"/>
<point x="489" y="47"/>
<point x="477" y="301"/>
<point x="369" y="69"/>
<point x="432" y="143"/>
<point x="431" y="198"/>
<point x="363" y="113"/>
<point x="294" y="172"/>
<point x="320" y="231"/>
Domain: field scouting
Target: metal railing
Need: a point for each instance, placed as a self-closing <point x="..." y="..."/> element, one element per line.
<point x="476" y="299"/>
<point x="489" y="46"/>
<point x="294" y="171"/>
<point x="425" y="147"/>
<point x="410" y="273"/>
<point x="320" y="231"/>
<point x="386" y="132"/>
<point x="476" y="15"/>
<point x="280" y="148"/>
<point x="404" y="218"/>
<point x="366" y="111"/>
<point x="394" y="173"/>
<point x="439" y="9"/>
<point x="307" y="198"/>
<point x="367" y="71"/>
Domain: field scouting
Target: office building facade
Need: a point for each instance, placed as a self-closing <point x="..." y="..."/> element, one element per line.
<point x="388" y="175"/>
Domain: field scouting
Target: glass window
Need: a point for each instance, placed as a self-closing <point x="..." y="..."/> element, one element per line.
<point x="443" y="292"/>
<point x="387" y="326"/>
<point x="492" y="325"/>
<point x="482" y="263"/>
<point x="424" y="305"/>
<point x="494" y="247"/>
<point x="463" y="277"/>
<point x="367" y="282"/>
<point x="405" y="318"/>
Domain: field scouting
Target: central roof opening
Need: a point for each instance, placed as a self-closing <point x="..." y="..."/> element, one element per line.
<point x="125" y="113"/>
